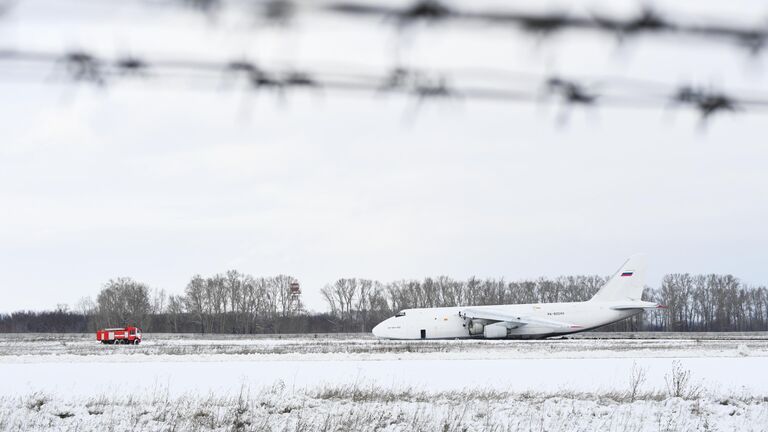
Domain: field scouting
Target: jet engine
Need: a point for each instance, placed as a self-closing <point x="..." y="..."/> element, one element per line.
<point x="479" y="327"/>
<point x="495" y="331"/>
<point x="475" y="327"/>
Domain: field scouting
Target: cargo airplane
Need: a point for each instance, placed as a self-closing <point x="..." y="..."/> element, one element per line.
<point x="618" y="299"/>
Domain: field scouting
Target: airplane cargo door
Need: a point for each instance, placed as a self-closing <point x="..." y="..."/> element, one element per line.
<point x="423" y="333"/>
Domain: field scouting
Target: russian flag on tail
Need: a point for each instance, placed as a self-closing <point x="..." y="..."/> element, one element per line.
<point x="626" y="274"/>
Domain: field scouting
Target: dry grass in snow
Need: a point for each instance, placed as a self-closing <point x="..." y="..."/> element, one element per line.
<point x="360" y="407"/>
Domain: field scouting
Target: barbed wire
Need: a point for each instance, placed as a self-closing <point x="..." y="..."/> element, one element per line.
<point x="82" y="66"/>
<point x="646" y="20"/>
<point x="86" y="67"/>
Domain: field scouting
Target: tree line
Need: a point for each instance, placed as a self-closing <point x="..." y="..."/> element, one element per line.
<point x="237" y="303"/>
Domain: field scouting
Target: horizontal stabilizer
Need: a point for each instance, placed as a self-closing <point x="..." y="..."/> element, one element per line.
<point x="638" y="305"/>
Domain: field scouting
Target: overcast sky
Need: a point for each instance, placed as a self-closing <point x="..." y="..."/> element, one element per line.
<point x="160" y="183"/>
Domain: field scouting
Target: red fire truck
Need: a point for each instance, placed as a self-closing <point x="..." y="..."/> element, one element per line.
<point x="127" y="335"/>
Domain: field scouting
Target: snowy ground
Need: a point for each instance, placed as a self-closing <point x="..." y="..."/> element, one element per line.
<point x="372" y="409"/>
<point x="360" y="383"/>
<point x="58" y="347"/>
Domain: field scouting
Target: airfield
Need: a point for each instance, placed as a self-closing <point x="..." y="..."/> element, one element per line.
<point x="356" y="382"/>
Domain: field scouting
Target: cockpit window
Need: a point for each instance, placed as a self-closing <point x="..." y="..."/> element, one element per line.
<point x="400" y="314"/>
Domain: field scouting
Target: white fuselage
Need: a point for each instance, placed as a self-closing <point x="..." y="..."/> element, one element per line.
<point x="447" y="323"/>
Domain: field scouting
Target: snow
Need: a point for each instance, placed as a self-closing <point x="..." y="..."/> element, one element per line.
<point x="277" y="408"/>
<point x="41" y="348"/>
<point x="577" y="384"/>
<point x="220" y="376"/>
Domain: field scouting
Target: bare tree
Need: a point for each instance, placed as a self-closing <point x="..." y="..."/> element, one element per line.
<point x="195" y="300"/>
<point x="233" y="286"/>
<point x="123" y="301"/>
<point x="175" y="311"/>
<point x="283" y="290"/>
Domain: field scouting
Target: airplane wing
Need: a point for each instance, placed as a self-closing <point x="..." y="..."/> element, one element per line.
<point x="500" y="315"/>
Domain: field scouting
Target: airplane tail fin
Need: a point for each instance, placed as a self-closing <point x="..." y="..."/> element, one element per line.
<point x="627" y="283"/>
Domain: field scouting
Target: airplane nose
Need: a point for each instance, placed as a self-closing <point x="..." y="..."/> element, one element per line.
<point x="378" y="329"/>
<point x="381" y="330"/>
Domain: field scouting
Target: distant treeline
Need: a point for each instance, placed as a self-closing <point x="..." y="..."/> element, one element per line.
<point x="242" y="304"/>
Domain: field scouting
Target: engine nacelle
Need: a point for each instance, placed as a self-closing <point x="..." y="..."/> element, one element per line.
<point x="495" y="331"/>
<point x="475" y="327"/>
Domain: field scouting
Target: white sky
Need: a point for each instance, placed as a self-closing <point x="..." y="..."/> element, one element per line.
<point x="160" y="183"/>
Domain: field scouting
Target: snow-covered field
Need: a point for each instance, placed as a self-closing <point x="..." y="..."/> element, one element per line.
<point x="83" y="347"/>
<point x="345" y="382"/>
